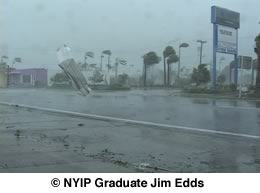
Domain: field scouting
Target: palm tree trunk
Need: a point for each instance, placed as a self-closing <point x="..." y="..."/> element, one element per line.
<point x="144" y="75"/>
<point x="168" y="75"/>
<point x="258" y="71"/>
<point x="101" y="60"/>
<point x="164" y="71"/>
<point x="116" y="70"/>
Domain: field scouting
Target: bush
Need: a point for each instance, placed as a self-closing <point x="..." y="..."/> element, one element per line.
<point x="201" y="74"/>
<point x="233" y="87"/>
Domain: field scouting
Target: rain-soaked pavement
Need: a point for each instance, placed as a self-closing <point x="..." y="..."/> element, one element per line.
<point x="35" y="141"/>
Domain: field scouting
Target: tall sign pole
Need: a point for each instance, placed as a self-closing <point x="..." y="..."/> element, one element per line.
<point x="225" y="37"/>
<point x="214" y="66"/>
<point x="236" y="62"/>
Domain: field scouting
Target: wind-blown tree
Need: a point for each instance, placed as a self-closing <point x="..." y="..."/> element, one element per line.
<point x="59" y="78"/>
<point x="149" y="59"/>
<point x="200" y="75"/>
<point x="108" y="53"/>
<point x="2" y="60"/>
<point x="257" y="50"/>
<point x="86" y="56"/>
<point x="97" y="76"/>
<point x="170" y="60"/>
<point x="117" y="62"/>
<point x="221" y="79"/>
<point x="166" y="53"/>
<point x="122" y="78"/>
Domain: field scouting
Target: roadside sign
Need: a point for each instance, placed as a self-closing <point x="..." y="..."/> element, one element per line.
<point x="226" y="40"/>
<point x="225" y="17"/>
<point x="245" y="62"/>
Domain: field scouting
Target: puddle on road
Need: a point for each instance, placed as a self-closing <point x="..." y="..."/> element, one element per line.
<point x="200" y="101"/>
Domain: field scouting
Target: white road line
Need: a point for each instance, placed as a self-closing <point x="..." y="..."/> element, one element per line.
<point x="136" y="122"/>
<point x="242" y="108"/>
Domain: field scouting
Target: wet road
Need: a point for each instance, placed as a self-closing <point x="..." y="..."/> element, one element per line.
<point x="157" y="106"/>
<point x="34" y="141"/>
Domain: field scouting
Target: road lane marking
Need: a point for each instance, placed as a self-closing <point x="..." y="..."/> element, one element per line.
<point x="130" y="121"/>
<point x="236" y="107"/>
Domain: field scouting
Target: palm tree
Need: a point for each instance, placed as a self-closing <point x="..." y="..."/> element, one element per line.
<point x="171" y="59"/>
<point x="3" y="58"/>
<point x="149" y="59"/>
<point x="257" y="50"/>
<point x="101" y="61"/>
<point x="117" y="62"/>
<point x="87" y="54"/>
<point x="108" y="53"/>
<point x="166" y="53"/>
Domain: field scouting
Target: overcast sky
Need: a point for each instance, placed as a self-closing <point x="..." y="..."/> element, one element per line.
<point x="34" y="29"/>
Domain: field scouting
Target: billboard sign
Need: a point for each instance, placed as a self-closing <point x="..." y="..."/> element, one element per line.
<point x="245" y="62"/>
<point x="225" y="37"/>
<point x="226" y="40"/>
<point x="225" y="17"/>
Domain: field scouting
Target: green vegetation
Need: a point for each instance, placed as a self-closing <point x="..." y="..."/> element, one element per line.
<point x="60" y="80"/>
<point x="169" y="57"/>
<point x="97" y="77"/>
<point x="173" y="58"/>
<point x="168" y="51"/>
<point x="200" y="75"/>
<point x="149" y="59"/>
<point x="119" y="83"/>
<point x="221" y="80"/>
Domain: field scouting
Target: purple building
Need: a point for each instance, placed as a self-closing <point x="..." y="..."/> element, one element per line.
<point x="31" y="77"/>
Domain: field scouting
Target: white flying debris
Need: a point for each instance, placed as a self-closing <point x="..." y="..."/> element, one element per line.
<point x="72" y="70"/>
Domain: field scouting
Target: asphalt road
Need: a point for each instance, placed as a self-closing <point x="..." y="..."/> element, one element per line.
<point x="34" y="141"/>
<point x="157" y="106"/>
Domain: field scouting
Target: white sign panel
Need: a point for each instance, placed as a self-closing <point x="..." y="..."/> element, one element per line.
<point x="226" y="40"/>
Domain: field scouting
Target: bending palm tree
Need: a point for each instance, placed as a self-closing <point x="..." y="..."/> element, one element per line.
<point x="257" y="50"/>
<point x="168" y="51"/>
<point x="171" y="59"/>
<point x="108" y="53"/>
<point x="149" y="59"/>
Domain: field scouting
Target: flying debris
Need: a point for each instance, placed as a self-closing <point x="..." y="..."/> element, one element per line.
<point x="72" y="70"/>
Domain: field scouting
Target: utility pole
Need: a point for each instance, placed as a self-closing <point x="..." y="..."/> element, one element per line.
<point x="101" y="61"/>
<point x="116" y="67"/>
<point x="201" y="48"/>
